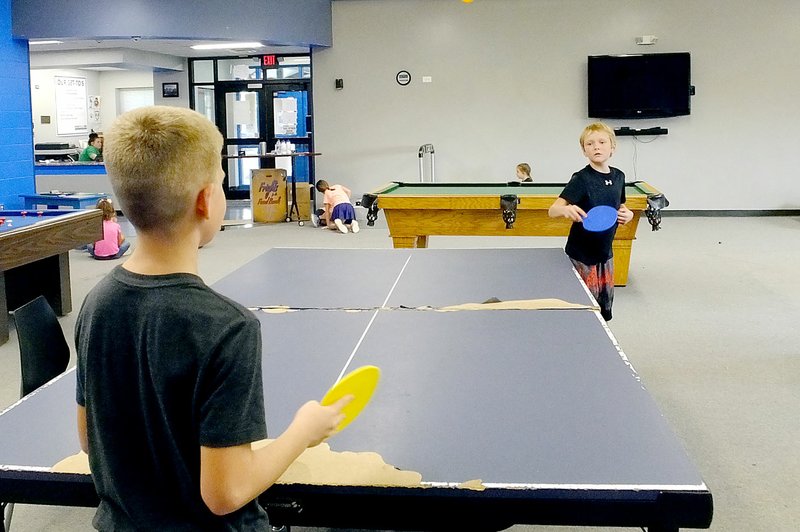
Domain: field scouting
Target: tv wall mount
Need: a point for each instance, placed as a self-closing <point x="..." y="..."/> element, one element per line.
<point x="636" y="132"/>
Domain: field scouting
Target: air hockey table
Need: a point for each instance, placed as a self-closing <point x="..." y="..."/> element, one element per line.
<point x="536" y="401"/>
<point x="34" y="256"/>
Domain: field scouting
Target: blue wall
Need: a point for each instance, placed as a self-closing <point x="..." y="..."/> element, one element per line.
<point x="16" y="128"/>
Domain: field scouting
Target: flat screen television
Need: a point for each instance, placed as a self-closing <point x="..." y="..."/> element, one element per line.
<point x="639" y="86"/>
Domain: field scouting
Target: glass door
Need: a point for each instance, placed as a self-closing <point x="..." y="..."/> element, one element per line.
<point x="289" y="119"/>
<point x="241" y="116"/>
<point x="250" y="113"/>
<point x="253" y="100"/>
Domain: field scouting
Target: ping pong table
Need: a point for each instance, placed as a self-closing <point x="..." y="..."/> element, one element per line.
<point x="541" y="405"/>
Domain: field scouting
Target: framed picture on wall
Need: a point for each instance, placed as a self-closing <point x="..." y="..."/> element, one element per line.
<point x="169" y="90"/>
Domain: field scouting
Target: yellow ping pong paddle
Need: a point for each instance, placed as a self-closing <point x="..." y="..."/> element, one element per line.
<point x="360" y="383"/>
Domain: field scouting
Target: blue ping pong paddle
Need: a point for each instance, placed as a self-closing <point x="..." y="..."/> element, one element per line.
<point x="600" y="218"/>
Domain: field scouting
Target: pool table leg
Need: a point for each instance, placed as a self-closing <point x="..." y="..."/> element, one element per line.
<point x="419" y="241"/>
<point x="622" y="260"/>
<point x="62" y="292"/>
<point x="623" y="242"/>
<point x="48" y="277"/>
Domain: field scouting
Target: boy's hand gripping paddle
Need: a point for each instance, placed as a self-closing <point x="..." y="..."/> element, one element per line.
<point x="600" y="218"/>
<point x="360" y="383"/>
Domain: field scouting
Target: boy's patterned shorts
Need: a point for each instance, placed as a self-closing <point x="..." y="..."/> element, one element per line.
<point x="600" y="280"/>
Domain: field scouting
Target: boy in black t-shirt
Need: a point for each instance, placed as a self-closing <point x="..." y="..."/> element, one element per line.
<point x="596" y="184"/>
<point x="169" y="385"/>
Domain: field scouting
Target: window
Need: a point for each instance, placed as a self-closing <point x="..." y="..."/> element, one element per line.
<point x="239" y="69"/>
<point x="285" y="67"/>
<point x="291" y="67"/>
<point x="204" y="101"/>
<point x="133" y="98"/>
<point x="204" y="71"/>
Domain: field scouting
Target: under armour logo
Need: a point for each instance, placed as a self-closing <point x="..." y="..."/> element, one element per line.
<point x="609" y="182"/>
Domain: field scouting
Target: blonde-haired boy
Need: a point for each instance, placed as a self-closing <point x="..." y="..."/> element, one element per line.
<point x="599" y="127"/>
<point x="156" y="158"/>
<point x="596" y="184"/>
<point x="169" y="385"/>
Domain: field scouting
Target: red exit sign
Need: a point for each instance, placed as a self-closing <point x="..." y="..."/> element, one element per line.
<point x="268" y="60"/>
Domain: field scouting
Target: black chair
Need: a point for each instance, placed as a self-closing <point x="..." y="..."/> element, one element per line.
<point x="43" y="350"/>
<point x="43" y="355"/>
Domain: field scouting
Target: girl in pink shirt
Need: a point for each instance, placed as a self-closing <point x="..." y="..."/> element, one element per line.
<point x="113" y="245"/>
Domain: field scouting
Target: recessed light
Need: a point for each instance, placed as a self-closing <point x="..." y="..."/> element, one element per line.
<point x="45" y="42"/>
<point x="227" y="46"/>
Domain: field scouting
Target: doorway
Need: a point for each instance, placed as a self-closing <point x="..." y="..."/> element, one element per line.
<point x="241" y="117"/>
<point x="249" y="116"/>
<point x="256" y="102"/>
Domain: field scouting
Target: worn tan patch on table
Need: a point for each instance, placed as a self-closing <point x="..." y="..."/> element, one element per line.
<point x="277" y="309"/>
<point x="77" y="463"/>
<point x="518" y="304"/>
<point x="317" y="465"/>
<point x="322" y="466"/>
<point x="476" y="485"/>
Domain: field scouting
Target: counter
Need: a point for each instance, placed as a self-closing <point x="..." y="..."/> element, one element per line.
<point x="72" y="177"/>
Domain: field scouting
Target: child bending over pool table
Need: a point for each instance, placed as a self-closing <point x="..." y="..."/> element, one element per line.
<point x="169" y="387"/>
<point x="337" y="207"/>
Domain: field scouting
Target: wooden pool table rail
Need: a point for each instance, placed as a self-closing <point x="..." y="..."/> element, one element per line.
<point x="412" y="218"/>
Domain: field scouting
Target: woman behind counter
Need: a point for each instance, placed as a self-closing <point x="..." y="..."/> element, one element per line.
<point x="94" y="151"/>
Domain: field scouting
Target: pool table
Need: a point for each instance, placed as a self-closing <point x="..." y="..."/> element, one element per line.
<point x="414" y="211"/>
<point x="34" y="256"/>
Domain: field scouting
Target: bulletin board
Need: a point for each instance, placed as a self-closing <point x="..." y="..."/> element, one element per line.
<point x="71" y="112"/>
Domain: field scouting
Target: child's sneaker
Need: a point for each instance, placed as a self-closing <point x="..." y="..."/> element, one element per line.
<point x="354" y="226"/>
<point x="340" y="226"/>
